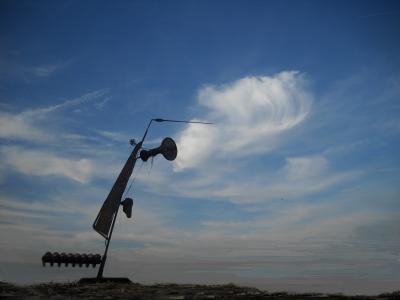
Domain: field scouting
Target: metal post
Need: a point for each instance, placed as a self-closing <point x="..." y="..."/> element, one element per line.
<point x="104" y="258"/>
<point x="121" y="182"/>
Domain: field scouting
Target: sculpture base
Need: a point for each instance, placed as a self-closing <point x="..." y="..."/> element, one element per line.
<point x="104" y="279"/>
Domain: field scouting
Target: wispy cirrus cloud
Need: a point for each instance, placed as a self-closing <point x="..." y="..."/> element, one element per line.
<point x="114" y="136"/>
<point x="44" y="163"/>
<point x="294" y="179"/>
<point x="17" y="126"/>
<point x="252" y="116"/>
<point x="41" y="112"/>
<point x="28" y="124"/>
<point x="30" y="72"/>
<point x="44" y="70"/>
<point x="297" y="178"/>
<point x="248" y="115"/>
<point x="31" y="126"/>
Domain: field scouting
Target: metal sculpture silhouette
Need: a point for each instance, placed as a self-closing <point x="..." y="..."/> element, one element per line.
<point x="70" y="258"/>
<point x="105" y="220"/>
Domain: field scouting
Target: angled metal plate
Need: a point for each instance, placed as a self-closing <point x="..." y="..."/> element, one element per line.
<point x="108" y="211"/>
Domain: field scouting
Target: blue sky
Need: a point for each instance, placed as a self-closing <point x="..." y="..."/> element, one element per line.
<point x="294" y="188"/>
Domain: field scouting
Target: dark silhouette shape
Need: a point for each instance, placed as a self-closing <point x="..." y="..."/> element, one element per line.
<point x="105" y="220"/>
<point x="167" y="149"/>
<point x="70" y="258"/>
<point x="127" y="207"/>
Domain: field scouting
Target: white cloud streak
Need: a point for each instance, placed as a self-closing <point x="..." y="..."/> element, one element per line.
<point x="20" y="127"/>
<point x="44" y="70"/>
<point x="252" y="116"/>
<point x="296" y="178"/>
<point x="300" y="176"/>
<point x="249" y="113"/>
<point x="42" y="163"/>
<point x="114" y="136"/>
<point x="27" y="126"/>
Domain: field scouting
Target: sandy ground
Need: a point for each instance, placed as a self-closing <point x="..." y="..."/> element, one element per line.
<point x="110" y="291"/>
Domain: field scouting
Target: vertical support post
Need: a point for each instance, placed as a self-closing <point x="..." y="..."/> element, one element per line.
<point x="114" y="197"/>
<point x="104" y="258"/>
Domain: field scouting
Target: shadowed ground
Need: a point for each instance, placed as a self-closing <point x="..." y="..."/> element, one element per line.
<point x="157" y="291"/>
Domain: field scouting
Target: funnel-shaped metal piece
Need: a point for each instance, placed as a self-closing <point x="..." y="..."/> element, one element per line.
<point x="127" y="207"/>
<point x="167" y="148"/>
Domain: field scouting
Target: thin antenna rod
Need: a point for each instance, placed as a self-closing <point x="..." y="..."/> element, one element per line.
<point x="174" y="121"/>
<point x="179" y="121"/>
<point x="147" y="129"/>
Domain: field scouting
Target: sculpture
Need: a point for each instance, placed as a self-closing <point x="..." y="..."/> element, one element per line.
<point x="105" y="220"/>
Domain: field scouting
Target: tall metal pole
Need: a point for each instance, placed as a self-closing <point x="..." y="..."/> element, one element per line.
<point x="116" y="194"/>
<point x="104" y="258"/>
<point x="120" y="185"/>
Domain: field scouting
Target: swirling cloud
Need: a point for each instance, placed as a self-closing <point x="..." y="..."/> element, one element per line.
<point x="248" y="114"/>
